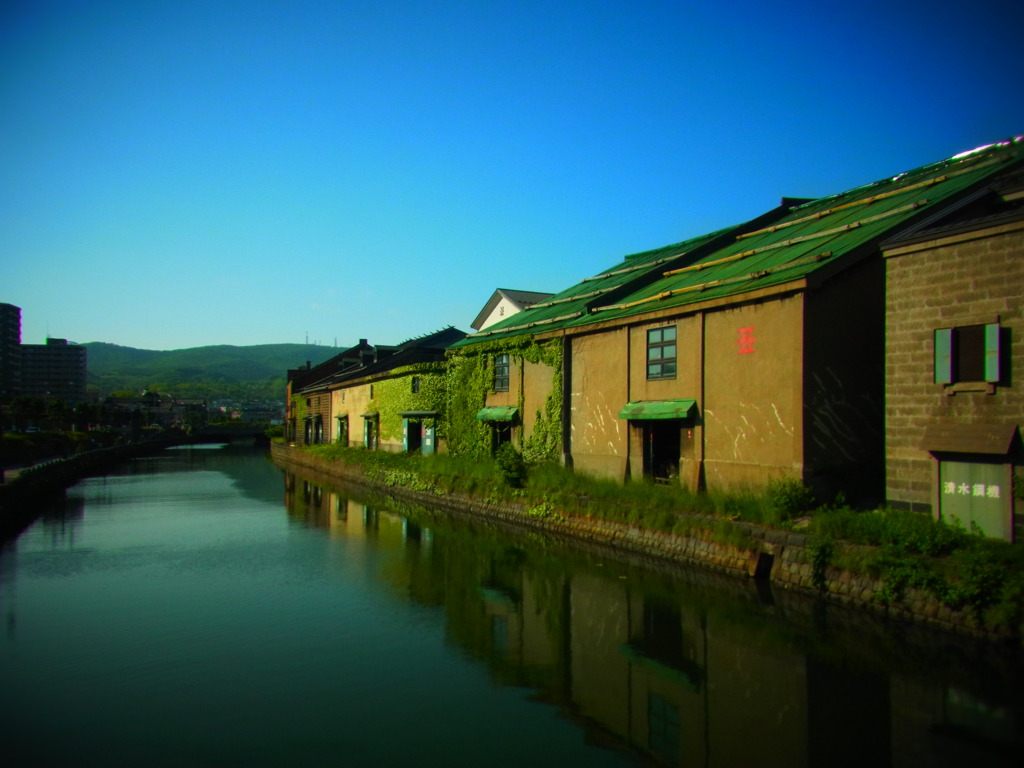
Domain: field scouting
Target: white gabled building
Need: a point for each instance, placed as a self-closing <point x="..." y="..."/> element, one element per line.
<point x="505" y="303"/>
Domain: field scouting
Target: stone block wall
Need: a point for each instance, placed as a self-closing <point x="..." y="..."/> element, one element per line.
<point x="963" y="279"/>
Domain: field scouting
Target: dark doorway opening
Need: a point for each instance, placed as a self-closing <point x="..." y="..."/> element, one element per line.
<point x="661" y="449"/>
<point x="414" y="436"/>
<point x="501" y="432"/>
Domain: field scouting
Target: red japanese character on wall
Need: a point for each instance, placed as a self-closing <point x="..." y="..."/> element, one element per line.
<point x="746" y="340"/>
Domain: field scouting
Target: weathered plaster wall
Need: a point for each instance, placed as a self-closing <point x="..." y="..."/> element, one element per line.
<point x="753" y="420"/>
<point x="353" y="402"/>
<point x="598" y="390"/>
<point x="750" y="417"/>
<point x="537" y="379"/>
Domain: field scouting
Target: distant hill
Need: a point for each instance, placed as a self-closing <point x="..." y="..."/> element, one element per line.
<point x="251" y="373"/>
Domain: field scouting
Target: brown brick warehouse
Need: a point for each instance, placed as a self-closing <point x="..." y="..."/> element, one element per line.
<point x="954" y="324"/>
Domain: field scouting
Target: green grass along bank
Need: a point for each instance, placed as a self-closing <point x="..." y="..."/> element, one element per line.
<point x="893" y="562"/>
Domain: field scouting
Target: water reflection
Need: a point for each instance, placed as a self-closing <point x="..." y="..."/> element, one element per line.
<point x="234" y="460"/>
<point x="687" y="669"/>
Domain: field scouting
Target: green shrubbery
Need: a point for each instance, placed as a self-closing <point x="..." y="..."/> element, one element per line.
<point x="910" y="531"/>
<point x="909" y="550"/>
<point x="510" y="464"/>
<point x="787" y="498"/>
<point x="905" y="550"/>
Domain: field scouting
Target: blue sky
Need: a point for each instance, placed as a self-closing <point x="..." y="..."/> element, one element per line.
<point x="178" y="174"/>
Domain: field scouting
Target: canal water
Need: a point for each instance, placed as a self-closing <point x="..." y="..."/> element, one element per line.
<point x="207" y="608"/>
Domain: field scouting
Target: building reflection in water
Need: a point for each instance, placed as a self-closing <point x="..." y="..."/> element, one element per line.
<point x="680" y="674"/>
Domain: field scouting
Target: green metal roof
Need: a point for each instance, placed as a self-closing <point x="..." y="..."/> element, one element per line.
<point x="815" y="235"/>
<point x="658" y="409"/>
<point x="809" y="238"/>
<point x="575" y="302"/>
<point x="498" y="413"/>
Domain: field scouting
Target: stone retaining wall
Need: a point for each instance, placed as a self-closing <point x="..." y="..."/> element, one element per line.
<point x="784" y="558"/>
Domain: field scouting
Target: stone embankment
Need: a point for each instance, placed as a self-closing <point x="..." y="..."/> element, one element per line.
<point x="782" y="558"/>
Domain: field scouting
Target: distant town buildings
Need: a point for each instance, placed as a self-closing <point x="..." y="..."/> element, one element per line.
<point x="54" y="370"/>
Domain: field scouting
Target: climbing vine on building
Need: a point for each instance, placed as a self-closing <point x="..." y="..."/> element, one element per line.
<point x="467" y="386"/>
<point x="544" y="443"/>
<point x="470" y="380"/>
<point x="393" y="395"/>
<point x="299" y="413"/>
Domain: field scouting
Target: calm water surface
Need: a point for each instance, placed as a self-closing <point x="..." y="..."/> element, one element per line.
<point x="206" y="608"/>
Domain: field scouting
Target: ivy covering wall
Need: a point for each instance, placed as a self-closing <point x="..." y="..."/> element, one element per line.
<point x="467" y="386"/>
<point x="458" y="388"/>
<point x="299" y="411"/>
<point x="394" y="395"/>
<point x="470" y="380"/>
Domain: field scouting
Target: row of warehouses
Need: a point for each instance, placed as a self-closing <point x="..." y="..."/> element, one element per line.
<point x="867" y="342"/>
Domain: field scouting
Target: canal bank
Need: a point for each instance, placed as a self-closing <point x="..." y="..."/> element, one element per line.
<point x="24" y="486"/>
<point x="785" y="559"/>
<point x="179" y="575"/>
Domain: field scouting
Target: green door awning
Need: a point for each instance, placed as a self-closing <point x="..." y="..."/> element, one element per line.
<point x="498" y="413"/>
<point x="659" y="409"/>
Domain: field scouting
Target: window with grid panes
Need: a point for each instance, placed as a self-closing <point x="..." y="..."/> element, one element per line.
<point x="501" y="373"/>
<point x="661" y="353"/>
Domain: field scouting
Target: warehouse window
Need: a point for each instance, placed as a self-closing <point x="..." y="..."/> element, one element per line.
<point x="968" y="353"/>
<point x="501" y="373"/>
<point x="661" y="353"/>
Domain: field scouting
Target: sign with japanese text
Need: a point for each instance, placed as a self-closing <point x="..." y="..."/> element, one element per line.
<point x="979" y="495"/>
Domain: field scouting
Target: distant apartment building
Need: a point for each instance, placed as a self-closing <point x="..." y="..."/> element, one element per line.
<point x="10" y="350"/>
<point x="55" y="370"/>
